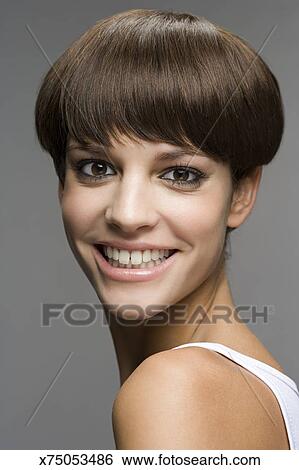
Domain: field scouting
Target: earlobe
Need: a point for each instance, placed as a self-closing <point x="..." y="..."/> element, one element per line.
<point x="244" y="198"/>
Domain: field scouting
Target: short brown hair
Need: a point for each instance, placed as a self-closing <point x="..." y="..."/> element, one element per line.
<point x="167" y="76"/>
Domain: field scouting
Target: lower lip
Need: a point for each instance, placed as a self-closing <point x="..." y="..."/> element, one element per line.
<point x="127" y="274"/>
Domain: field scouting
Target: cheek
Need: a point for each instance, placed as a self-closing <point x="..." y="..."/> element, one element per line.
<point x="203" y="218"/>
<point x="211" y="216"/>
<point x="78" y="209"/>
<point x="206" y="234"/>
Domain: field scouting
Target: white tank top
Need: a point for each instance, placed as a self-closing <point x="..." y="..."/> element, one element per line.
<point x="283" y="387"/>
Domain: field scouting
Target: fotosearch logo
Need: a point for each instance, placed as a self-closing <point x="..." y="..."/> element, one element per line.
<point x="87" y="314"/>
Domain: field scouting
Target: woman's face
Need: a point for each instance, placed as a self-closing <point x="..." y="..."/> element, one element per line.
<point x="129" y="193"/>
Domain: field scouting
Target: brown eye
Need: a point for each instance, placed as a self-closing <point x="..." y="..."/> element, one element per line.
<point x="185" y="176"/>
<point x="181" y="174"/>
<point x="95" y="169"/>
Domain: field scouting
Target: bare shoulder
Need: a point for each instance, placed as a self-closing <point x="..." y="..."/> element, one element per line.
<point x="194" y="398"/>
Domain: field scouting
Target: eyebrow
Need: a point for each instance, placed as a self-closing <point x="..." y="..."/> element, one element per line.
<point x="159" y="156"/>
<point x="175" y="154"/>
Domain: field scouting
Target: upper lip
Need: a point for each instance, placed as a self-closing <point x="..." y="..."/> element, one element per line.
<point x="130" y="246"/>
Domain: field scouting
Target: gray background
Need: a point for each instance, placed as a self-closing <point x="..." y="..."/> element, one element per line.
<point x="37" y="265"/>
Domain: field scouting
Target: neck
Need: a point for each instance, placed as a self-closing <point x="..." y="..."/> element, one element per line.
<point x="193" y="321"/>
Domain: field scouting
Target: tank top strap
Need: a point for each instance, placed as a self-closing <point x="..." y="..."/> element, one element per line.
<point x="284" y="388"/>
<point x="240" y="358"/>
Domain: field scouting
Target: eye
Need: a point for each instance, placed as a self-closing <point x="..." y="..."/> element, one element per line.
<point x="181" y="174"/>
<point x="92" y="169"/>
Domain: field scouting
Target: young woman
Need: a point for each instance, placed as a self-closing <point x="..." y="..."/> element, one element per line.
<point x="159" y="124"/>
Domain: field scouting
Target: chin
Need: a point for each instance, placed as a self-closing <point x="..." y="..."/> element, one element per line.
<point x="124" y="303"/>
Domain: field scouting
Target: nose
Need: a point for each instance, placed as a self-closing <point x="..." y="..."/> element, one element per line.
<point x="132" y="206"/>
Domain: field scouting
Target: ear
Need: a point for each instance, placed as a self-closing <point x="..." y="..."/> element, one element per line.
<point x="60" y="191"/>
<point x="244" y="198"/>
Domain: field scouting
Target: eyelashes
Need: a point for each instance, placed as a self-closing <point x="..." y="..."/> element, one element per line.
<point x="181" y="173"/>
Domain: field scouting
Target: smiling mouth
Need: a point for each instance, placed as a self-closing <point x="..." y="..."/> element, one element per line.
<point x="116" y="263"/>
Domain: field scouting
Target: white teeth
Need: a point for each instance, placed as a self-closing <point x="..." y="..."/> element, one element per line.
<point x="115" y="254"/>
<point x="124" y="256"/>
<point x="109" y="251"/>
<point x="150" y="264"/>
<point x="135" y="257"/>
<point x="155" y="254"/>
<point x="146" y="256"/>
